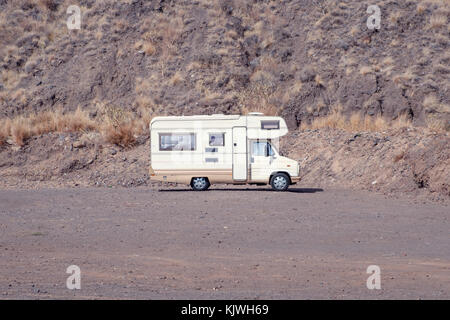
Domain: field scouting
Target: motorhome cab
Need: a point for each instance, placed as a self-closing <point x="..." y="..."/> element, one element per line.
<point x="212" y="149"/>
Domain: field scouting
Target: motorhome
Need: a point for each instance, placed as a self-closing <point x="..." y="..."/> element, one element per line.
<point x="220" y="149"/>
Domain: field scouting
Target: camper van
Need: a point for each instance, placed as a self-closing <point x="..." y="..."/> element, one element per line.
<point x="220" y="149"/>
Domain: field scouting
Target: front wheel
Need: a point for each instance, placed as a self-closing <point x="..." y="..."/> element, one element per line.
<point x="200" y="184"/>
<point x="280" y="182"/>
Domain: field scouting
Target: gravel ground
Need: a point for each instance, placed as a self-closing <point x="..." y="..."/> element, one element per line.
<point x="229" y="242"/>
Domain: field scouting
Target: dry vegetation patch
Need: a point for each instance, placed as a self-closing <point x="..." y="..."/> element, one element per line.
<point x="117" y="126"/>
<point x="357" y="122"/>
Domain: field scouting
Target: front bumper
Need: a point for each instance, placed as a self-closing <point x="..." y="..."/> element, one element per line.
<point x="294" y="180"/>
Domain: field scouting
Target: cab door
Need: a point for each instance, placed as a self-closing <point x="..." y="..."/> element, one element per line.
<point x="261" y="160"/>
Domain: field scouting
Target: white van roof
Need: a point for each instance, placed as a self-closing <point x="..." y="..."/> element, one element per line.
<point x="199" y="117"/>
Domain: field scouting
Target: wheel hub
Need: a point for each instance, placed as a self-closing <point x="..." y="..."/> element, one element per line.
<point x="199" y="183"/>
<point x="279" y="182"/>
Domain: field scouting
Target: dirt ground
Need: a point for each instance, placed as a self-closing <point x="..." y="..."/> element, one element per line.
<point x="229" y="242"/>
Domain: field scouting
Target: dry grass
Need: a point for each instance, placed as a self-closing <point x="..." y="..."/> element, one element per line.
<point x="176" y="78"/>
<point x="365" y="70"/>
<point x="23" y="127"/>
<point x="121" y="127"/>
<point x="121" y="134"/>
<point x="437" y="21"/>
<point x="149" y="48"/>
<point x="258" y="97"/>
<point x="421" y="8"/>
<point x="10" y="78"/>
<point x="436" y="123"/>
<point x="117" y="126"/>
<point x="141" y="46"/>
<point x="432" y="104"/>
<point x="257" y="29"/>
<point x="319" y="81"/>
<point x="5" y="129"/>
<point x="292" y="91"/>
<point x="395" y="16"/>
<point x="401" y="79"/>
<point x="356" y="122"/>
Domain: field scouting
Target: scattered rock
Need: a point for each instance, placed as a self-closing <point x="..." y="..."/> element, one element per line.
<point x="79" y="144"/>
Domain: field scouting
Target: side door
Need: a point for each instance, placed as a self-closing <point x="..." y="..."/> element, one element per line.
<point x="240" y="167"/>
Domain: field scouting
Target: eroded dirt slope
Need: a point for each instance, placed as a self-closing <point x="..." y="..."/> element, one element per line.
<point x="408" y="161"/>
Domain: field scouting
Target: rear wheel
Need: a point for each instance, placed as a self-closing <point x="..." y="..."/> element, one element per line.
<point x="280" y="182"/>
<point x="200" y="184"/>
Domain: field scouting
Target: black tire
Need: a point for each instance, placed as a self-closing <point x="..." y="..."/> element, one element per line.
<point x="200" y="184"/>
<point x="280" y="182"/>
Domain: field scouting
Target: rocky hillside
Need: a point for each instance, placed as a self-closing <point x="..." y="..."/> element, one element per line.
<point x="297" y="58"/>
<point x="75" y="104"/>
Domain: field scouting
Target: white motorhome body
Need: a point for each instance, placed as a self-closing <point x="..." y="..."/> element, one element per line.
<point x="204" y="150"/>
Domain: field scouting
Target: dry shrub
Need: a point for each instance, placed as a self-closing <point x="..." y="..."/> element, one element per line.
<point x="119" y="134"/>
<point x="258" y="97"/>
<point x="74" y="122"/>
<point x="437" y="21"/>
<point x="5" y="129"/>
<point x="399" y="156"/>
<point x="145" y="116"/>
<point x="402" y="121"/>
<point x="334" y="120"/>
<point x="10" y="78"/>
<point x="292" y="91"/>
<point x="20" y="130"/>
<point x="432" y="105"/>
<point x="436" y="123"/>
<point x="407" y="76"/>
<point x="356" y="122"/>
<point x="145" y="102"/>
<point x="319" y="81"/>
<point x="421" y="8"/>
<point x="430" y="102"/>
<point x="146" y="46"/>
<point x="118" y="127"/>
<point x="176" y="78"/>
<point x="149" y="48"/>
<point x="366" y="70"/>
<point x="160" y="35"/>
<point x="121" y="127"/>
<point x="395" y="16"/>
<point x="143" y="86"/>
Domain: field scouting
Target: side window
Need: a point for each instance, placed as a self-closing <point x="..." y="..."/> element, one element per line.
<point x="217" y="139"/>
<point x="263" y="149"/>
<point x="270" y="124"/>
<point x="259" y="148"/>
<point x="177" y="142"/>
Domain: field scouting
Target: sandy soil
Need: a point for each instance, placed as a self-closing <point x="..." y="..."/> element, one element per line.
<point x="224" y="243"/>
